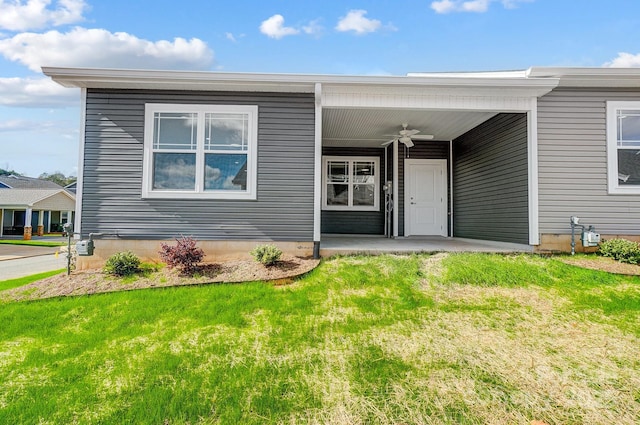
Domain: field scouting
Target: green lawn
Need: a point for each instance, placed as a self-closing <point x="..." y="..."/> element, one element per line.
<point x="21" y="281"/>
<point x="468" y="339"/>
<point x="32" y="242"/>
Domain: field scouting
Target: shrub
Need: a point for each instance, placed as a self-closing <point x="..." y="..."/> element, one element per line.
<point x="267" y="254"/>
<point x="185" y="255"/>
<point x="623" y="250"/>
<point x="122" y="264"/>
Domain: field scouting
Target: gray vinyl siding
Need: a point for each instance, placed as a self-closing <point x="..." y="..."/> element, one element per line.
<point x="431" y="149"/>
<point x="113" y="156"/>
<point x="356" y="222"/>
<point x="490" y="181"/>
<point x="572" y="164"/>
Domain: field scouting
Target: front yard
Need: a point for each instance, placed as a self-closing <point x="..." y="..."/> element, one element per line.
<point x="458" y="339"/>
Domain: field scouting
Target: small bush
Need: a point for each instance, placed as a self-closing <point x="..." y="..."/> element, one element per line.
<point x="122" y="264"/>
<point x="623" y="250"/>
<point x="267" y="254"/>
<point x="185" y="255"/>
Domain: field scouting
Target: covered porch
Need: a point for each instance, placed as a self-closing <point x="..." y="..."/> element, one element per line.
<point x="447" y="164"/>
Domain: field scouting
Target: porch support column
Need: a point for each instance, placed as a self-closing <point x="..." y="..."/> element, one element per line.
<point x="26" y="234"/>
<point x="396" y="199"/>
<point x="532" y="151"/>
<point x="317" y="170"/>
<point x="49" y="222"/>
<point x="40" y="229"/>
<point x="1" y="221"/>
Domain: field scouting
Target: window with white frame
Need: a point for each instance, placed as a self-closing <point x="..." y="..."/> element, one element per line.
<point x="350" y="183"/>
<point x="623" y="146"/>
<point x="200" y="151"/>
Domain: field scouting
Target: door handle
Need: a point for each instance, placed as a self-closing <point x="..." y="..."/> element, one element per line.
<point x="413" y="203"/>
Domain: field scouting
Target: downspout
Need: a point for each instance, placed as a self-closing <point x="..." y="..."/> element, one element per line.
<point x="80" y="181"/>
<point x="532" y="150"/>
<point x="317" y="169"/>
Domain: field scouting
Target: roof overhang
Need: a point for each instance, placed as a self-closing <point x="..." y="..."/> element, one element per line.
<point x="300" y="83"/>
<point x="588" y="77"/>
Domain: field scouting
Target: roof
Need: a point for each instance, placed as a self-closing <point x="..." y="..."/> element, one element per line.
<point x="55" y="199"/>
<point x="302" y="83"/>
<point x="23" y="182"/>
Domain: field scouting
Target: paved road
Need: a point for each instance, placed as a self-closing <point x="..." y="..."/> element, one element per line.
<point x="20" y="260"/>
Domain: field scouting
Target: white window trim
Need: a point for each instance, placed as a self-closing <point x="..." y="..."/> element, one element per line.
<point x="612" y="148"/>
<point x="351" y="160"/>
<point x="199" y="192"/>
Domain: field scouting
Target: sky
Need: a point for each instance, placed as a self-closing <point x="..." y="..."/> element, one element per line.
<point x="39" y="120"/>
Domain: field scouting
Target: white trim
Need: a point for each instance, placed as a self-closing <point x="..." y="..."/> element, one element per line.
<point x="532" y="152"/>
<point x="395" y="188"/>
<point x="407" y="201"/>
<point x="351" y="160"/>
<point x="451" y="212"/>
<point x="612" y="149"/>
<point x="77" y="226"/>
<point x="2" y="221"/>
<point x="317" y="166"/>
<point x="199" y="193"/>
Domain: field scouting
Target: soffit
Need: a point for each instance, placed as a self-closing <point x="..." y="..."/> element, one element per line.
<point x="372" y="127"/>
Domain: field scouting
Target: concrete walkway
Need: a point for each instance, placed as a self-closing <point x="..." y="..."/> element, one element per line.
<point x="23" y="260"/>
<point x="354" y="244"/>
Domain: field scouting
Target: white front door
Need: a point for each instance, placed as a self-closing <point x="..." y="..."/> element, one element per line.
<point x="425" y="199"/>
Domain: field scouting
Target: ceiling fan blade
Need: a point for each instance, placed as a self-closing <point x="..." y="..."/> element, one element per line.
<point x="408" y="143"/>
<point x="423" y="137"/>
<point x="411" y="132"/>
<point x="389" y="142"/>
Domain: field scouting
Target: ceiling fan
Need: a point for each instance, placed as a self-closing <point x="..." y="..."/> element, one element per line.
<point x="407" y="136"/>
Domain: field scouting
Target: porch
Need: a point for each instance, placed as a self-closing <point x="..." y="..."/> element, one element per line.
<point x="359" y="244"/>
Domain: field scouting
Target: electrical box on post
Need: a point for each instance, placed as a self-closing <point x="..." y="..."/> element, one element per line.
<point x="85" y="248"/>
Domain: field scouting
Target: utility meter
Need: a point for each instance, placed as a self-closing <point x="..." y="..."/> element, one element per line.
<point x="85" y="248"/>
<point x="590" y="238"/>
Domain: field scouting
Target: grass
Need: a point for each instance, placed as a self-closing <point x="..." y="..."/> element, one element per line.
<point x="467" y="339"/>
<point x="14" y="283"/>
<point x="31" y="243"/>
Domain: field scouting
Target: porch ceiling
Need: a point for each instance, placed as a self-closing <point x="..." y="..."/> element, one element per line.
<point x="368" y="127"/>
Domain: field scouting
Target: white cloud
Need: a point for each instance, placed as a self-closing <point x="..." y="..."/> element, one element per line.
<point x="36" y="93"/>
<point x="357" y="22"/>
<point x="101" y="48"/>
<point x="229" y="36"/>
<point x="274" y="27"/>
<point x="624" y="60"/>
<point x="21" y="125"/>
<point x="18" y="15"/>
<point x="477" y="6"/>
<point x="313" y="28"/>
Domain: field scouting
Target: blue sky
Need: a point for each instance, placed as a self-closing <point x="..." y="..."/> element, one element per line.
<point x="39" y="120"/>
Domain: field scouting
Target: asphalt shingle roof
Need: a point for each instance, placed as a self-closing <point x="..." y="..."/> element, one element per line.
<point x="22" y="182"/>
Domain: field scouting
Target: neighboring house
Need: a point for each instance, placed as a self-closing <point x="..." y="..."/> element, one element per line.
<point x="238" y="158"/>
<point x="71" y="187"/>
<point x="27" y="203"/>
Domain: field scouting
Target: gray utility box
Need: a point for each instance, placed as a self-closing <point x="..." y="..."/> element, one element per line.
<point x="590" y="238"/>
<point x="85" y="248"/>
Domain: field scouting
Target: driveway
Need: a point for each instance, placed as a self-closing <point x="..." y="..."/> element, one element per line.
<point x="22" y="260"/>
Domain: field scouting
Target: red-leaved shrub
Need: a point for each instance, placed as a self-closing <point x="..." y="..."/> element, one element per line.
<point x="185" y="255"/>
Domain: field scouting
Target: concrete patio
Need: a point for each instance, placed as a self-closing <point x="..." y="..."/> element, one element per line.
<point x="358" y="244"/>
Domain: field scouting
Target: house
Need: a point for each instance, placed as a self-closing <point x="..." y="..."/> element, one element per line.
<point x="237" y="158"/>
<point x="26" y="202"/>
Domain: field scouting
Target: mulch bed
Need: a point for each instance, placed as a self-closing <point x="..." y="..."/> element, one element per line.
<point x="95" y="281"/>
<point x="604" y="264"/>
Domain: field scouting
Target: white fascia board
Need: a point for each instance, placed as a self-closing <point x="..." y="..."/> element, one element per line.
<point x="588" y="77"/>
<point x="198" y="80"/>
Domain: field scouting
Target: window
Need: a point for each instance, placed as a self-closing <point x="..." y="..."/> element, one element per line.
<point x="200" y="151"/>
<point x="623" y="146"/>
<point x="350" y="183"/>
